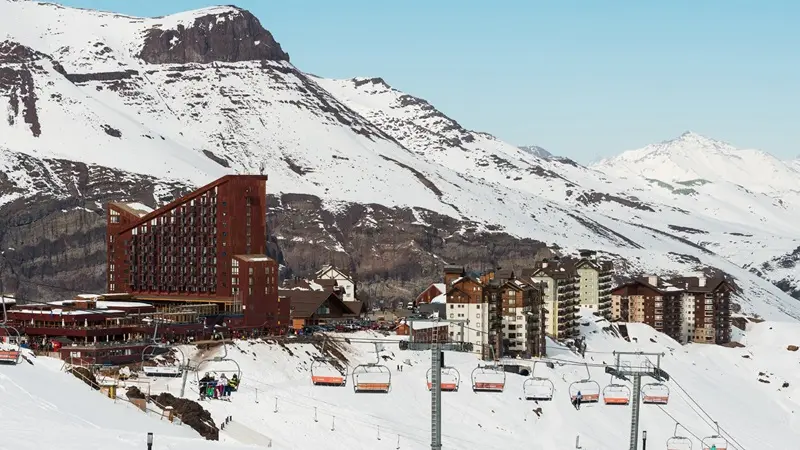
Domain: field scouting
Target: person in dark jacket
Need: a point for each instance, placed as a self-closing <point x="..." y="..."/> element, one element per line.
<point x="204" y="383"/>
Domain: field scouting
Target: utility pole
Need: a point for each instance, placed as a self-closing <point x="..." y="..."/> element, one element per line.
<point x="647" y="370"/>
<point x="436" y="390"/>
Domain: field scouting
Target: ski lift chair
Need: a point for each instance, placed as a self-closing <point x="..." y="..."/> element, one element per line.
<point x="589" y="389"/>
<point x="720" y="442"/>
<point x="488" y="379"/>
<point x="616" y="394"/>
<point x="715" y="441"/>
<point x="655" y="394"/>
<point x="678" y="442"/>
<point x="323" y="371"/>
<point x="12" y="356"/>
<point x="232" y="370"/>
<point x="150" y="352"/>
<point x="538" y="388"/>
<point x="372" y="377"/>
<point x="449" y="381"/>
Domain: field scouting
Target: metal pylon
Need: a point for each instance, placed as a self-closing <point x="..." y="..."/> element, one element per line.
<point x="648" y="370"/>
<point x="636" y="400"/>
<point x="436" y="394"/>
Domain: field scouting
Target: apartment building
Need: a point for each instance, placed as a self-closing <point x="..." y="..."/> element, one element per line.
<point x="496" y="312"/>
<point x="595" y="282"/>
<point x="207" y="247"/>
<point x="516" y="315"/>
<point x="652" y="301"/>
<point x="559" y="283"/>
<point x="688" y="309"/>
<point x="467" y="310"/>
<point x="706" y="309"/>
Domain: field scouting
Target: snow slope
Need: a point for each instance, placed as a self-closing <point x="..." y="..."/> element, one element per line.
<point x="706" y="380"/>
<point x="695" y="157"/>
<point x="361" y="141"/>
<point x="44" y="408"/>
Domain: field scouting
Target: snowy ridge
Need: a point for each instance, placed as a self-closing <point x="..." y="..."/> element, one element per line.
<point x="695" y="158"/>
<point x="359" y="141"/>
<point x="724" y="382"/>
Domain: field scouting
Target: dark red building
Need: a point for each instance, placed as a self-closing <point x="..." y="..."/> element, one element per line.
<point x="206" y="247"/>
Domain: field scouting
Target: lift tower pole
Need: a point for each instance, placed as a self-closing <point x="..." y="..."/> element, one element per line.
<point x="436" y="390"/>
<point x="636" y="372"/>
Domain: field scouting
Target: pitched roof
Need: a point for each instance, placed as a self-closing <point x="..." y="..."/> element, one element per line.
<point x="305" y="303"/>
<point x="504" y="274"/>
<point x="692" y="284"/>
<point x="300" y="284"/>
<point x="355" y="307"/>
<point x="560" y="268"/>
<point x="329" y="268"/>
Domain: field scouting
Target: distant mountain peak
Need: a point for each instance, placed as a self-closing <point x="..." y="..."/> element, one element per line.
<point x="695" y="141"/>
<point x="535" y="150"/>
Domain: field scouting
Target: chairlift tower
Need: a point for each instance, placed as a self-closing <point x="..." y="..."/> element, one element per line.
<point x="647" y="370"/>
<point x="436" y="390"/>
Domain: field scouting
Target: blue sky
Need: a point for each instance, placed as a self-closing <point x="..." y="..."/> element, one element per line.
<point x="584" y="79"/>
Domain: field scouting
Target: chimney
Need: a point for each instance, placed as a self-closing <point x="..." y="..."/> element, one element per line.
<point x="652" y="279"/>
<point x="701" y="281"/>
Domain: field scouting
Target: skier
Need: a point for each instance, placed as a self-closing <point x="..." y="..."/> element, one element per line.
<point x="222" y="386"/>
<point x="233" y="384"/>
<point x="578" y="399"/>
<point x="714" y="447"/>
<point x="204" y="385"/>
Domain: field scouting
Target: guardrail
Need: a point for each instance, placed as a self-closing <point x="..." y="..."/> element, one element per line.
<point x="148" y="399"/>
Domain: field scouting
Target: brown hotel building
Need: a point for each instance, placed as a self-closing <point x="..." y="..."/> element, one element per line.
<point x="208" y="247"/>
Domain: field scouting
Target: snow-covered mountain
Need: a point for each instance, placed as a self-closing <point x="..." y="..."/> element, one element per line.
<point x="696" y="159"/>
<point x="102" y="106"/>
<point x="537" y="151"/>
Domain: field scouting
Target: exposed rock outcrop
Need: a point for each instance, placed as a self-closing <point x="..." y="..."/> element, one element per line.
<point x="85" y="375"/>
<point x="190" y="413"/>
<point x="234" y="35"/>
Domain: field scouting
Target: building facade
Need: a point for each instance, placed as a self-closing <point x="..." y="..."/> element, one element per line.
<point x="206" y="247"/>
<point x="706" y="312"/>
<point x="651" y="301"/>
<point x="343" y="279"/>
<point x="516" y="316"/>
<point x="431" y="292"/>
<point x="467" y="311"/>
<point x="688" y="309"/>
<point x="559" y="282"/>
<point x="595" y="283"/>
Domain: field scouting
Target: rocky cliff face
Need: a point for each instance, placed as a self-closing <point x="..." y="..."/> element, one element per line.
<point x="17" y="62"/>
<point x="57" y="235"/>
<point x="54" y="235"/>
<point x="232" y="36"/>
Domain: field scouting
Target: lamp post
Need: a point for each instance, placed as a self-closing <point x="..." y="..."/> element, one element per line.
<point x="149" y="441"/>
<point x="644" y="440"/>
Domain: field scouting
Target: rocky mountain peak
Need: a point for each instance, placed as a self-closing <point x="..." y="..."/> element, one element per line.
<point x="535" y="150"/>
<point x="222" y="34"/>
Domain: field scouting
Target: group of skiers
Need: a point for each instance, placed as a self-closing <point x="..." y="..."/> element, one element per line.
<point x="221" y="388"/>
